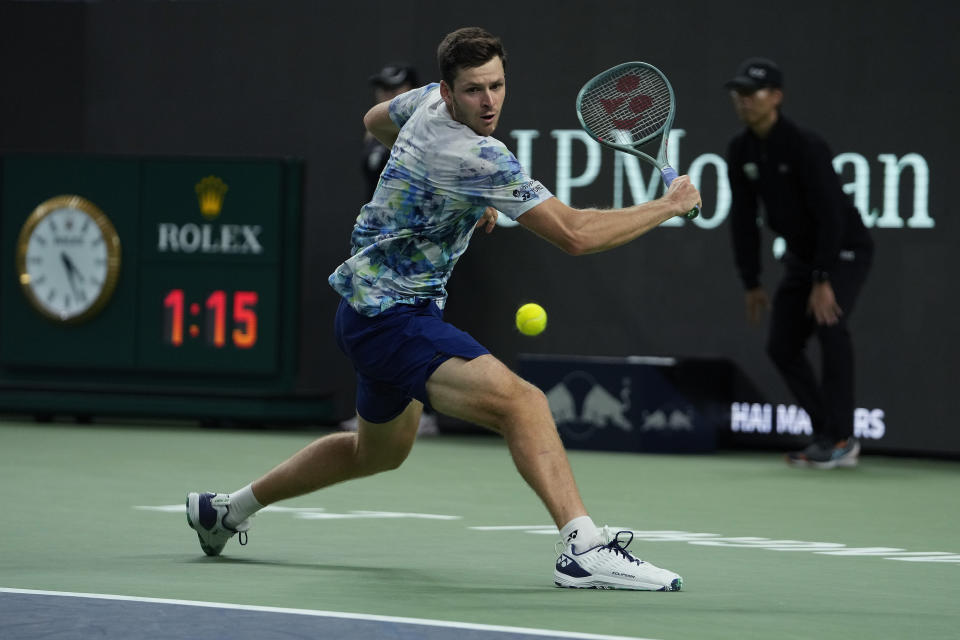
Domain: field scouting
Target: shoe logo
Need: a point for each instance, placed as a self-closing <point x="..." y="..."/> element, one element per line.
<point x="623" y="575"/>
<point x="572" y="536"/>
<point x="563" y="561"/>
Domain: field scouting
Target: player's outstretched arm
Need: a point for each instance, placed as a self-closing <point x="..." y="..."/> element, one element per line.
<point x="378" y="123"/>
<point x="583" y="231"/>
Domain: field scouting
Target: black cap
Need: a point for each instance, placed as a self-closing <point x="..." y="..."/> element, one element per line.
<point x="393" y="75"/>
<point x="756" y="73"/>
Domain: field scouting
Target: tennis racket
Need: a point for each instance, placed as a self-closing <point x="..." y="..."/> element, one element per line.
<point x="630" y="108"/>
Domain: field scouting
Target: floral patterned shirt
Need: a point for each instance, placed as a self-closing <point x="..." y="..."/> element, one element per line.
<point x="439" y="180"/>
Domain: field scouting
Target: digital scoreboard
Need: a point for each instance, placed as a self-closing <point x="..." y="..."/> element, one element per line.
<point x="166" y="284"/>
<point x="211" y="281"/>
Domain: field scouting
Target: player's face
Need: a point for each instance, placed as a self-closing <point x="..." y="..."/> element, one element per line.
<point x="757" y="110"/>
<point x="476" y="97"/>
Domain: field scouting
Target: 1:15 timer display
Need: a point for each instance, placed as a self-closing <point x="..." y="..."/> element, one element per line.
<point x="182" y="319"/>
<point x="203" y="319"/>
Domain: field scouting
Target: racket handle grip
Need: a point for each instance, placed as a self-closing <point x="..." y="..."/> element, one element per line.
<point x="669" y="174"/>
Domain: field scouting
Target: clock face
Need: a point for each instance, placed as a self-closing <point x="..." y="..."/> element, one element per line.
<point x="68" y="259"/>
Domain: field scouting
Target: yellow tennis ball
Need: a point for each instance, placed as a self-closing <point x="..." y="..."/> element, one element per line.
<point x="531" y="319"/>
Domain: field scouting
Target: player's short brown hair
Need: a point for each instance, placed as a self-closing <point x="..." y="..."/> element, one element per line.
<point x="467" y="48"/>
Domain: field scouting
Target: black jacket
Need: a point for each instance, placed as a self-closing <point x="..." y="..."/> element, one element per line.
<point x="791" y="173"/>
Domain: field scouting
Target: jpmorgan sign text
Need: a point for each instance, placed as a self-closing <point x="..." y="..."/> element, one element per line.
<point x="635" y="182"/>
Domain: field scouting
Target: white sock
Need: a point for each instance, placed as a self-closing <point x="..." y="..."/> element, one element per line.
<point x="581" y="532"/>
<point x="243" y="504"/>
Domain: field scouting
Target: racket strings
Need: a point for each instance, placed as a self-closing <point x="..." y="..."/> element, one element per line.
<point x="628" y="106"/>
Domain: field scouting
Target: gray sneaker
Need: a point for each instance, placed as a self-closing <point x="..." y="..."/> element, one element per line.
<point x="827" y="455"/>
<point x="205" y="514"/>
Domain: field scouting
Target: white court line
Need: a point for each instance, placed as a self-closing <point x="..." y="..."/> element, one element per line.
<point x="316" y="513"/>
<point x="519" y="527"/>
<point x="330" y="614"/>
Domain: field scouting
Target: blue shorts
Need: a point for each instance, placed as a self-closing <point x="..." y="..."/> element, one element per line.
<point x="395" y="352"/>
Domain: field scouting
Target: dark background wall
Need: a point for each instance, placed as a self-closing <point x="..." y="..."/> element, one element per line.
<point x="269" y="79"/>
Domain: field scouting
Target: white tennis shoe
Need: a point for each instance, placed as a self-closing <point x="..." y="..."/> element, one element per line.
<point x="205" y="514"/>
<point x="609" y="565"/>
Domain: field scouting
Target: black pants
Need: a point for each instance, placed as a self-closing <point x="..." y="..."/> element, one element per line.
<point x="829" y="402"/>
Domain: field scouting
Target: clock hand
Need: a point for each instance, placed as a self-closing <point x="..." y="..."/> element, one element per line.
<point x="71" y="268"/>
<point x="72" y="273"/>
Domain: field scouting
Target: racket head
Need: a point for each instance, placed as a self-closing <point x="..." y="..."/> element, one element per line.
<point x="627" y="106"/>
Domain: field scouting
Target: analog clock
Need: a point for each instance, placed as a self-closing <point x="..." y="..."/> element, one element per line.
<point x="68" y="259"/>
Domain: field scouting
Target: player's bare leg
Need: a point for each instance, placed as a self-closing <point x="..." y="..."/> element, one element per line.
<point x="342" y="456"/>
<point x="485" y="392"/>
<point x="217" y="517"/>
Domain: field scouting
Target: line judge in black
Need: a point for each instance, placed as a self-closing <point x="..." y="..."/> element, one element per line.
<point x="789" y="170"/>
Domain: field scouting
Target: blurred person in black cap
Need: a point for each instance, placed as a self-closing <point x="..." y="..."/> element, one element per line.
<point x="394" y="79"/>
<point x="789" y="171"/>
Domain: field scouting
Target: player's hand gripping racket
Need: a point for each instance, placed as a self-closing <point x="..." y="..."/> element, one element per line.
<point x="630" y="108"/>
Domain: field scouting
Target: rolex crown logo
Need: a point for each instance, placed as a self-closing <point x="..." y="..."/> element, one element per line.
<point x="210" y="193"/>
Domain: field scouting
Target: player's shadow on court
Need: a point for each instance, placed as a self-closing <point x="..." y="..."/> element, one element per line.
<point x="312" y="566"/>
<point x="412" y="580"/>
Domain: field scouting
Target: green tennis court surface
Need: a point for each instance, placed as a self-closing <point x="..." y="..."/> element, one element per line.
<point x="455" y="536"/>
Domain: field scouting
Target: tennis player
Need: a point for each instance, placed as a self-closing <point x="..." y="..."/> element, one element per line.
<point x="444" y="173"/>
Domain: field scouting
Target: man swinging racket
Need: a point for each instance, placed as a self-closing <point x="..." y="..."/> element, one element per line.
<point x="444" y="173"/>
